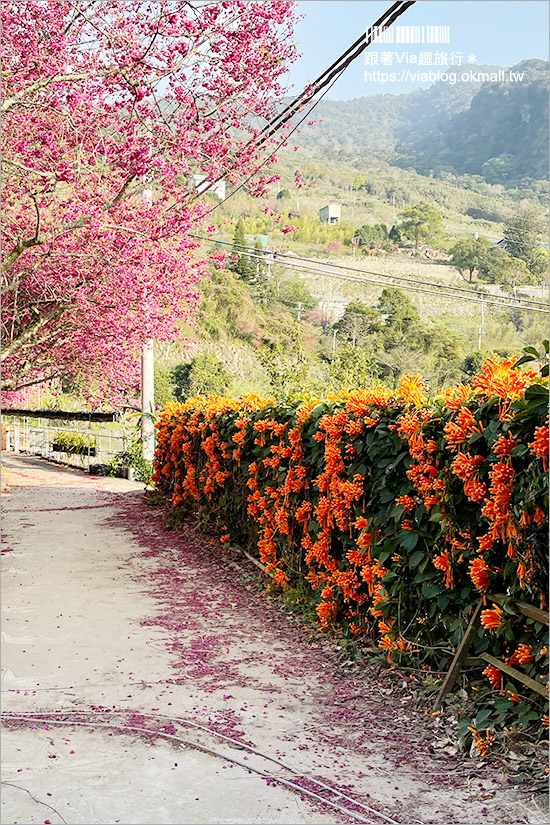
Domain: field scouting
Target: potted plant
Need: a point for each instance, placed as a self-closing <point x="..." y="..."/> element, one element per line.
<point x="75" y="443"/>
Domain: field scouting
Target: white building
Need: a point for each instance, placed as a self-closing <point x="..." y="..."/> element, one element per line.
<point x="330" y="214"/>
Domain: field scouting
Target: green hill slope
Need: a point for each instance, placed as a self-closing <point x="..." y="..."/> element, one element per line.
<point x="496" y="130"/>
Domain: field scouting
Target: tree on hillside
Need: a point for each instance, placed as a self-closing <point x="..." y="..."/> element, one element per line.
<point x="204" y="375"/>
<point x="372" y="236"/>
<point x="359" y="181"/>
<point x="108" y="109"/>
<point x="294" y="290"/>
<point x="394" y="235"/>
<point x="352" y="368"/>
<point x="241" y="264"/>
<point x="422" y="222"/>
<point x="286" y="366"/>
<point x="523" y="233"/>
<point x="538" y="264"/>
<point x="499" y="169"/>
<point x="358" y="323"/>
<point x="498" y="267"/>
<point x="467" y="254"/>
<point x="163" y="387"/>
<point x="401" y="317"/>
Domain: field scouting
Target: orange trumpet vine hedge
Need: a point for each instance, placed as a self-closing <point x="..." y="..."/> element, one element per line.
<point x="396" y="512"/>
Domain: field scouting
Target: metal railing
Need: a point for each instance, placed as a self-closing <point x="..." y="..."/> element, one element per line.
<point x="39" y="436"/>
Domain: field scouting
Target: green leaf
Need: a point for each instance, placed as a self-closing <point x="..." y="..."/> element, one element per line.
<point x="408" y="539"/>
<point x="443" y="601"/>
<point x="481" y="717"/>
<point x="536" y="391"/>
<point x="436" y="516"/>
<point x="389" y="576"/>
<point x="398" y="511"/>
<point x="416" y="558"/>
<point x="519" y="449"/>
<point x="431" y="590"/>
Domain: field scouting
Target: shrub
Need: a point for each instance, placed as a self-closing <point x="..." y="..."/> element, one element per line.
<point x="71" y="441"/>
<point x="130" y="456"/>
<point x="398" y="512"/>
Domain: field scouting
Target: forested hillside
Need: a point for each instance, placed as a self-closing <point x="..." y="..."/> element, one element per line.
<point x="497" y="130"/>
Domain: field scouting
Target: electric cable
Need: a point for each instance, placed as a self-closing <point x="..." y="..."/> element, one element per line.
<point x="337" y="67"/>
<point x="280" y="255"/>
<point x="334" y="72"/>
<point x="301" y="267"/>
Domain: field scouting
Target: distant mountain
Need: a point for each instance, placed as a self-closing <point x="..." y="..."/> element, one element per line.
<point x="496" y="129"/>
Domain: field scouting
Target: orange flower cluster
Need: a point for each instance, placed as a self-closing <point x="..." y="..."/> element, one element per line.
<point x="522" y="656"/>
<point x="377" y="501"/>
<point x="423" y="472"/>
<point x="337" y="499"/>
<point x="492" y="619"/>
<point x="499" y="378"/>
<point x="539" y="445"/>
<point x="495" y="677"/>
<point x="466" y="468"/>
<point x="443" y="562"/>
<point x="460" y="431"/>
<point x="479" y="573"/>
<point x="483" y="744"/>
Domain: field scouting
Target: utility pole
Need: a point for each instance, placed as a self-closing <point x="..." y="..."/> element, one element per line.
<point x="481" y="330"/>
<point x="334" y="333"/>
<point x="299" y="311"/>
<point x="148" y="377"/>
<point x="148" y="399"/>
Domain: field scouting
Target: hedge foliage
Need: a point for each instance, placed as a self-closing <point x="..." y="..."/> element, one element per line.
<point x="393" y="513"/>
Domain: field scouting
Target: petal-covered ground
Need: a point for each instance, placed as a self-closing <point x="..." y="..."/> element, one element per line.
<point x="146" y="679"/>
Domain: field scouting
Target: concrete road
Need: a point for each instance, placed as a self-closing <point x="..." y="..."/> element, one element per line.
<point x="146" y="679"/>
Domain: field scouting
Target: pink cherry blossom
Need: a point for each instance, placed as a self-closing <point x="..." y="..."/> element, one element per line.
<point x="108" y="110"/>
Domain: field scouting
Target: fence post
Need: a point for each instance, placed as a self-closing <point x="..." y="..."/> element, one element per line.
<point x="460" y="655"/>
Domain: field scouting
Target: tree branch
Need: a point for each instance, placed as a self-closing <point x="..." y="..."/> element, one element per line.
<point x="17" y="251"/>
<point x="31" y="331"/>
<point x="37" y="227"/>
<point x="11" y="384"/>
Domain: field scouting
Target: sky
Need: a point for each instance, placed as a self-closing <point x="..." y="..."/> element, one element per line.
<point x="495" y="32"/>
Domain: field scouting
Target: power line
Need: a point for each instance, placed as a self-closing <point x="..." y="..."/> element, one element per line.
<point x="339" y="65"/>
<point x="300" y="264"/>
<point x="327" y="79"/>
<point x="460" y="289"/>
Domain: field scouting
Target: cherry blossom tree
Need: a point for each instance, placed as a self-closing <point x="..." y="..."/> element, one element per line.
<point x="108" y="109"/>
